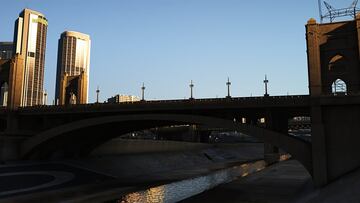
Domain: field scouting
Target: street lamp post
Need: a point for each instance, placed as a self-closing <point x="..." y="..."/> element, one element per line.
<point x="45" y="98"/>
<point x="143" y="92"/>
<point x="228" y="83"/>
<point x="97" y="94"/>
<point x="266" y="81"/>
<point x="191" y="89"/>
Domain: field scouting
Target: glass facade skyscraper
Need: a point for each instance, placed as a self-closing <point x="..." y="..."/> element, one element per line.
<point x="73" y="60"/>
<point x="30" y="43"/>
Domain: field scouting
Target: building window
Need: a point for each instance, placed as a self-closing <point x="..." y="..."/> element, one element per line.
<point x="339" y="87"/>
<point x="31" y="54"/>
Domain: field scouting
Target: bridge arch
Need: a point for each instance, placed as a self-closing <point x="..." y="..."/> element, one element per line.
<point x="338" y="64"/>
<point x="89" y="133"/>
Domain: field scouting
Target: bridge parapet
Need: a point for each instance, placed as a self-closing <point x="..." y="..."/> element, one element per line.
<point x="245" y="102"/>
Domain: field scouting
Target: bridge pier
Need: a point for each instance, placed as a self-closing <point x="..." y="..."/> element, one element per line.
<point x="318" y="147"/>
<point x="277" y="122"/>
<point x="271" y="153"/>
<point x="10" y="139"/>
<point x="335" y="139"/>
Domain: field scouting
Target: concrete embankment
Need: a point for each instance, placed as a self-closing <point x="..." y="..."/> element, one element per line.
<point x="282" y="182"/>
<point x="286" y="181"/>
<point x="127" y="172"/>
<point x="138" y="160"/>
<point x="137" y="167"/>
<point x="166" y="161"/>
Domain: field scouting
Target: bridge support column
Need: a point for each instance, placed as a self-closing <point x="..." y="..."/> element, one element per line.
<point x="277" y="122"/>
<point x="318" y="141"/>
<point x="9" y="142"/>
<point x="195" y="135"/>
<point x="271" y="154"/>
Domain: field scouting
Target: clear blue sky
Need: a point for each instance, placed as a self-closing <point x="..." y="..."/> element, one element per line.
<point x="167" y="43"/>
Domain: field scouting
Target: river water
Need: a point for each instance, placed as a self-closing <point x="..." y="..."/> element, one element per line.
<point x="177" y="191"/>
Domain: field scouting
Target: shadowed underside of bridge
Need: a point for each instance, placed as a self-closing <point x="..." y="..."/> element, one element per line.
<point x="81" y="137"/>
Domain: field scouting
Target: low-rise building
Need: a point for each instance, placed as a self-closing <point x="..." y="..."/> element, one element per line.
<point x="123" y="98"/>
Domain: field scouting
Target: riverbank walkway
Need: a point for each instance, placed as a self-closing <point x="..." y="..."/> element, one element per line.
<point x="287" y="181"/>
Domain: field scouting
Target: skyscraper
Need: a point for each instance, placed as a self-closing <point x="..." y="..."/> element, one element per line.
<point x="6" y="50"/>
<point x="73" y="65"/>
<point x="30" y="43"/>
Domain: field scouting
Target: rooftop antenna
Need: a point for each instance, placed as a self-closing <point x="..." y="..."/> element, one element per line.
<point x="333" y="13"/>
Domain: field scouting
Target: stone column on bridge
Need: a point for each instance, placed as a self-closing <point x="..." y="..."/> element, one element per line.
<point x="318" y="141"/>
<point x="313" y="52"/>
<point x="333" y="56"/>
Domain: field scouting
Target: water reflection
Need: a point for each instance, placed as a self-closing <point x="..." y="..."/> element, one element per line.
<point x="155" y="194"/>
<point x="181" y="190"/>
<point x="133" y="197"/>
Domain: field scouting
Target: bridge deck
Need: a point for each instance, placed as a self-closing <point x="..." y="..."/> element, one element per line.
<point x="181" y="104"/>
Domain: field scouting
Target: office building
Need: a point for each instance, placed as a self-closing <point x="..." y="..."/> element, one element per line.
<point x="73" y="65"/>
<point x="30" y="43"/>
<point x="6" y="50"/>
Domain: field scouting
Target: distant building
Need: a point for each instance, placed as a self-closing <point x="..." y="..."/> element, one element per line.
<point x="4" y="80"/>
<point x="10" y="87"/>
<point x="30" y="43"/>
<point x="6" y="50"/>
<point x="73" y="65"/>
<point x="123" y="98"/>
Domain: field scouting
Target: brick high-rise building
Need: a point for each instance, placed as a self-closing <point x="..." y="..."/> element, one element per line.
<point x="30" y="43"/>
<point x="73" y="65"/>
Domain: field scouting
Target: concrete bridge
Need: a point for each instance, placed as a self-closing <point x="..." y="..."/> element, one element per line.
<point x="74" y="131"/>
<point x="333" y="107"/>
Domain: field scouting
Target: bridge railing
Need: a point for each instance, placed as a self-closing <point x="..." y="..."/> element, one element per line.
<point x="185" y="101"/>
<point x="150" y="102"/>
